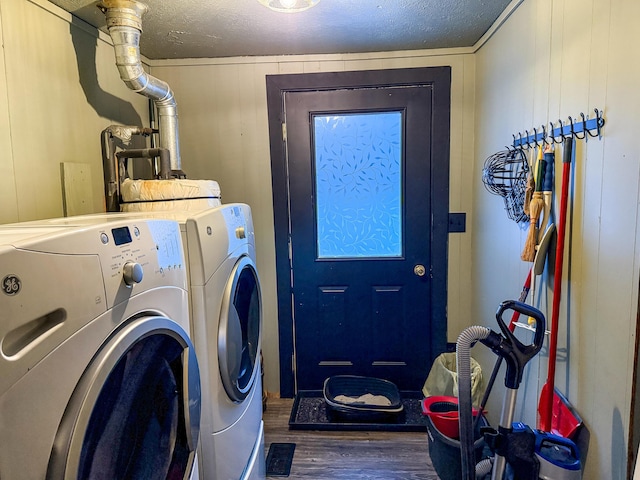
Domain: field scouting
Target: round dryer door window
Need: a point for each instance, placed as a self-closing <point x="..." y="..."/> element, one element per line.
<point x="239" y="330"/>
<point x="136" y="411"/>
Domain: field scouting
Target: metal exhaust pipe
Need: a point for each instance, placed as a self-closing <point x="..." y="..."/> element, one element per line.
<point x="124" y="22"/>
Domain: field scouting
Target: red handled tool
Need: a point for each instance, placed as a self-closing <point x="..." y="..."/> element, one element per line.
<point x="545" y="406"/>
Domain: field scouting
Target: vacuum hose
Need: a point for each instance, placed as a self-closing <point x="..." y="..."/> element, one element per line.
<point x="463" y="358"/>
<point x="516" y="355"/>
<point x="484" y="467"/>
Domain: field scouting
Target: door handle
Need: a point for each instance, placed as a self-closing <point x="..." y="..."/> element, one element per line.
<point x="419" y="270"/>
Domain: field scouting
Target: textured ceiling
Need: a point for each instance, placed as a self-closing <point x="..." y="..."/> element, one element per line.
<point x="225" y="28"/>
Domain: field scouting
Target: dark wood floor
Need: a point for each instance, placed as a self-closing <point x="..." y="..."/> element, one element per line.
<point x="348" y="455"/>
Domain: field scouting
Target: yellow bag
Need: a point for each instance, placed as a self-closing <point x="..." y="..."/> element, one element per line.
<point x="443" y="379"/>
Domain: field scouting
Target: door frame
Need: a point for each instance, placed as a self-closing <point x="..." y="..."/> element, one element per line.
<point x="439" y="79"/>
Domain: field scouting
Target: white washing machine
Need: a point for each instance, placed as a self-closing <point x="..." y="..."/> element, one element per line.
<point x="226" y="323"/>
<point x="98" y="376"/>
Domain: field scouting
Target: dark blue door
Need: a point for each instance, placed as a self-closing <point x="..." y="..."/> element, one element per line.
<point x="367" y="181"/>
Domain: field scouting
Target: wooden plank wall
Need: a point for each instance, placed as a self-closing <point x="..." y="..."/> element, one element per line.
<point x="59" y="88"/>
<point x="554" y="59"/>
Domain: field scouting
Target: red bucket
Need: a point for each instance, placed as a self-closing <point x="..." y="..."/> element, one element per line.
<point x="443" y="412"/>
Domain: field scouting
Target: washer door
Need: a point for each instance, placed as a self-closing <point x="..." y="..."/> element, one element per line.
<point x="239" y="330"/>
<point x="136" y="411"/>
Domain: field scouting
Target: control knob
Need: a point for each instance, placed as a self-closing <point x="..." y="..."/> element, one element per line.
<point x="132" y="273"/>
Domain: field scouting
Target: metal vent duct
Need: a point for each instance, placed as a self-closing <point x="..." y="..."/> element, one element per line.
<point x="124" y="22"/>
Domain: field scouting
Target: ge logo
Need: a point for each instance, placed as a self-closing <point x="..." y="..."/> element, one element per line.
<point x="11" y="285"/>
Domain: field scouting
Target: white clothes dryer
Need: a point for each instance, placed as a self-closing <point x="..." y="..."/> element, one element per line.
<point x="226" y="322"/>
<point x="98" y="377"/>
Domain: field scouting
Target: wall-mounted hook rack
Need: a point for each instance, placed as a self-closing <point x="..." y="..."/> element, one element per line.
<point x="579" y="129"/>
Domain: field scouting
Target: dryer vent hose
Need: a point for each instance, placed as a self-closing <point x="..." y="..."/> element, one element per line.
<point x="124" y="21"/>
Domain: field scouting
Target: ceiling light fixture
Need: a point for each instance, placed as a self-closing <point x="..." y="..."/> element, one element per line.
<point x="289" y="6"/>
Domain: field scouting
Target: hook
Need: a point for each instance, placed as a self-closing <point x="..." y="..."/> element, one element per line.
<point x="544" y="135"/>
<point x="598" y="125"/>
<point x="573" y="132"/>
<point x="527" y="138"/>
<point x="600" y="120"/>
<point x="561" y="131"/>
<point x="584" y="128"/>
<point x="535" y="136"/>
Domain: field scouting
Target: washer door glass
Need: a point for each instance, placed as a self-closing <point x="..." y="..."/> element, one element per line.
<point x="136" y="410"/>
<point x="239" y="330"/>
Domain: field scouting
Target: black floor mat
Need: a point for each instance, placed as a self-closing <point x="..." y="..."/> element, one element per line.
<point x="279" y="459"/>
<point x="310" y="412"/>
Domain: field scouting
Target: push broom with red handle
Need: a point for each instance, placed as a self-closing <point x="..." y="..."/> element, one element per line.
<point x="545" y="406"/>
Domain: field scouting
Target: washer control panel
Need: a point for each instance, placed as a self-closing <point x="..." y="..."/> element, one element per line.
<point x="141" y="255"/>
<point x="134" y="254"/>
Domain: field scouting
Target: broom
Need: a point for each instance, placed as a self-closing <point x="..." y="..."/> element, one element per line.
<point x="536" y="206"/>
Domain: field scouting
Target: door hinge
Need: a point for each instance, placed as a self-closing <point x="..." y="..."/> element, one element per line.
<point x="284" y="132"/>
<point x="290" y="265"/>
<point x="293" y="363"/>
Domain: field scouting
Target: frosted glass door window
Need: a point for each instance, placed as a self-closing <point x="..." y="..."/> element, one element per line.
<point x="358" y="182"/>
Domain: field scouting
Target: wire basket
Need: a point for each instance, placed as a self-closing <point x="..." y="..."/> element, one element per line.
<point x="505" y="174"/>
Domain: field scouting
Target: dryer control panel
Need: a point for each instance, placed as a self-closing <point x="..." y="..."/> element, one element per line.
<point x="215" y="234"/>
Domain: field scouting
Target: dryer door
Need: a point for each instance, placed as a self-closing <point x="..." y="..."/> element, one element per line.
<point x="136" y="411"/>
<point x="239" y="330"/>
